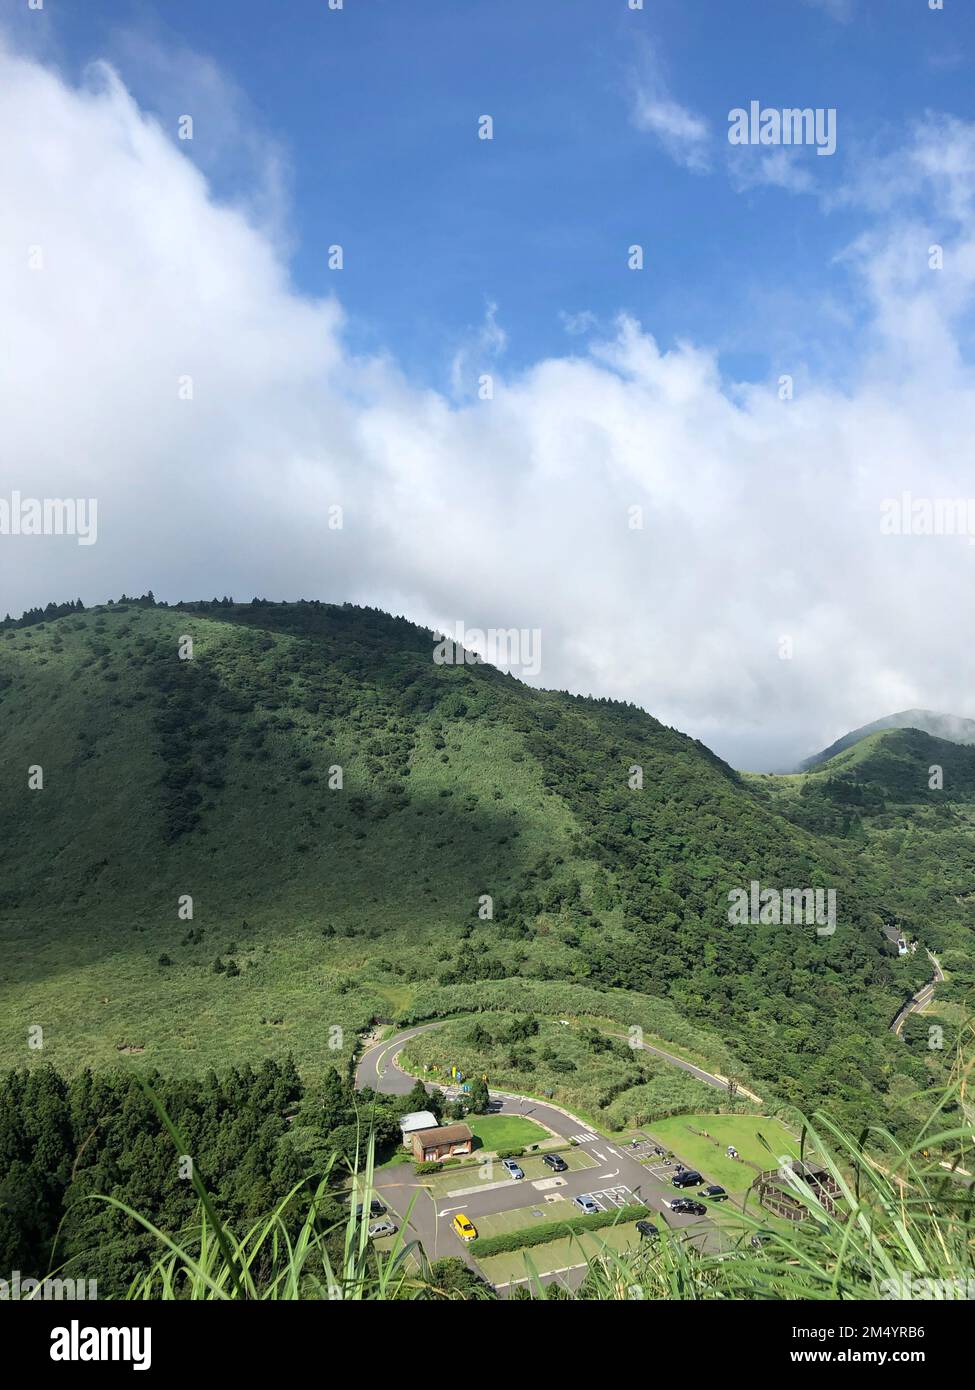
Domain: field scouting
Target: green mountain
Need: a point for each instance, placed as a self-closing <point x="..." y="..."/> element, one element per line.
<point x="945" y="726"/>
<point x="361" y="833"/>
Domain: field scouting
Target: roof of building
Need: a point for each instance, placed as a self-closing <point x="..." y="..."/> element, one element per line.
<point x="444" y="1134"/>
<point x="418" y="1119"/>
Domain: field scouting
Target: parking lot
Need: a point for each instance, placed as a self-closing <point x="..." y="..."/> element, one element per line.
<point x="475" y="1177"/>
<point x="609" y="1171"/>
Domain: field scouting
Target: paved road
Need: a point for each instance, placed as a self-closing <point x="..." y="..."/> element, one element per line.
<point x="377" y="1070"/>
<point x="923" y="997"/>
<point x="376" y="1064"/>
<point x="711" y="1078"/>
<point x="610" y="1168"/>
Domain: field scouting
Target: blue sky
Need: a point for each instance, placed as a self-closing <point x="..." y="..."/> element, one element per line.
<point x="374" y="109"/>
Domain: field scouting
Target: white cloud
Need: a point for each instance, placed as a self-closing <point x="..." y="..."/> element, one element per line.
<point x="842" y="11"/>
<point x="750" y="167"/>
<point x="761" y="516"/>
<point x="682" y="133"/>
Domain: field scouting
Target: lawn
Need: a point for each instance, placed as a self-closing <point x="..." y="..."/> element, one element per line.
<point x="494" y="1132"/>
<point x="559" y="1254"/>
<point x="683" y="1134"/>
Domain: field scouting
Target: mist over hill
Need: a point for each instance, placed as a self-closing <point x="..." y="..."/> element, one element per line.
<point x="946" y="726"/>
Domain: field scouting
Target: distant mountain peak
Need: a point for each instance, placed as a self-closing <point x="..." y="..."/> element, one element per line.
<point x="952" y="727"/>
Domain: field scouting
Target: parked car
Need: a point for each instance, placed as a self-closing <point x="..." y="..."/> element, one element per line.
<point x="376" y="1208"/>
<point x="585" y="1203"/>
<point x="688" y="1178"/>
<point x="648" y="1230"/>
<point x="556" y="1162"/>
<point x="716" y="1194"/>
<point x="512" y="1168"/>
<point x="464" y="1227"/>
<point x="384" y="1227"/>
<point x="686" y="1206"/>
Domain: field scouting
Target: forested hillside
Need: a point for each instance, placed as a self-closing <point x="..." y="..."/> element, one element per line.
<point x="75" y="1151"/>
<point x="337" y="806"/>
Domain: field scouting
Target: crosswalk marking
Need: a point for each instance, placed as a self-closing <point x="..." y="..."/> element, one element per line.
<point x="583" y="1138"/>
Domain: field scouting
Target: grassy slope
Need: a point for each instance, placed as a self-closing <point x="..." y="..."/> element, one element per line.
<point x="210" y="777"/>
<point x="620" y="1086"/>
<point x="275" y="859"/>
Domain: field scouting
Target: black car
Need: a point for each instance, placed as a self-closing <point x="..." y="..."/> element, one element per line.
<point x="556" y="1163"/>
<point x="688" y="1178"/>
<point x="686" y="1206"/>
<point x="716" y="1194"/>
<point x="376" y="1208"/>
<point x="648" y="1230"/>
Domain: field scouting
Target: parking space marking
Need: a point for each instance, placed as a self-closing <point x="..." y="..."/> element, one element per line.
<point x="660" y="1171"/>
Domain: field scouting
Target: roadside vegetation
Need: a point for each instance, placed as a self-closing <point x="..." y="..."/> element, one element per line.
<point x="581" y="1067"/>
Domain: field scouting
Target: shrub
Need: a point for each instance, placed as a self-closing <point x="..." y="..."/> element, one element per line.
<point x="556" y="1230"/>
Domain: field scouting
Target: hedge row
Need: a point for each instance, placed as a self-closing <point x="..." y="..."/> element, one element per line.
<point x="556" y="1230"/>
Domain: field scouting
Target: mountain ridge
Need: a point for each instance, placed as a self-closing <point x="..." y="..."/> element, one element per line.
<point x="951" y="727"/>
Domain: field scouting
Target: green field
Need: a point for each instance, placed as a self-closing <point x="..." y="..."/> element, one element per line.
<point x="566" y="1253"/>
<point x="683" y="1135"/>
<point x="494" y="1132"/>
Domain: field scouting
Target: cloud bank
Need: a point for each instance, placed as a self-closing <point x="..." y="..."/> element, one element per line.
<point x="157" y="358"/>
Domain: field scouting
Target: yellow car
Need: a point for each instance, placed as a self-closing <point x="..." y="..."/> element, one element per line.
<point x="464" y="1227"/>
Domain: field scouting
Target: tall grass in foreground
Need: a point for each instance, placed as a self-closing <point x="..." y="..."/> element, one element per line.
<point x="905" y="1226"/>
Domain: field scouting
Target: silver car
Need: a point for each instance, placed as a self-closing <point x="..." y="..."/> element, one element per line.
<point x="586" y="1203"/>
<point x="382" y="1228"/>
<point x="513" y="1169"/>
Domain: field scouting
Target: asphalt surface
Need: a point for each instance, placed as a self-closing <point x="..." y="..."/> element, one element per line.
<point x="923" y="997"/>
<point x="613" y="1176"/>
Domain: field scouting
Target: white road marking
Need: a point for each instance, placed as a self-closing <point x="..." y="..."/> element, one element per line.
<point x="483" y="1187"/>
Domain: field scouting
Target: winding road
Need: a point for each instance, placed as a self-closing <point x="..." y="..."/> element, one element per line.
<point x="377" y="1067"/>
<point x="920" y="1000"/>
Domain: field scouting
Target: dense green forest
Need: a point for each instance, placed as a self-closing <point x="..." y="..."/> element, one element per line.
<point x="66" y="1143"/>
<point x="256" y="846"/>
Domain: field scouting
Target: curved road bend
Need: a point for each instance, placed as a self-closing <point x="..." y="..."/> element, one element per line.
<point x="378" y="1068"/>
<point x="610" y="1165"/>
<point x="923" y="997"/>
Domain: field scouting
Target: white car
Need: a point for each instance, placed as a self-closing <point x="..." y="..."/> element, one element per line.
<point x="382" y="1228"/>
